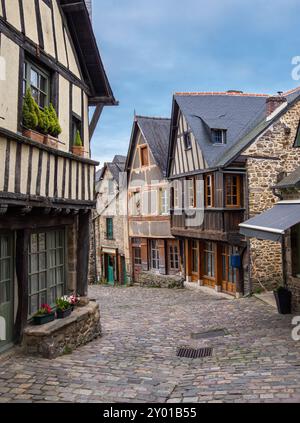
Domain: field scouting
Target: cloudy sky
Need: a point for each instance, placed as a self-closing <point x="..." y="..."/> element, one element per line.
<point x="153" y="48"/>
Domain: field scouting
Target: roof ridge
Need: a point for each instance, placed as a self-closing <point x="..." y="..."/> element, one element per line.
<point x="291" y="91"/>
<point x="152" y="117"/>
<point x="233" y="94"/>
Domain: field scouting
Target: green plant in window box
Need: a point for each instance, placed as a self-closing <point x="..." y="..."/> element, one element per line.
<point x="63" y="307"/>
<point x="44" y="315"/>
<point x="78" y="148"/>
<point x="54" y="129"/>
<point x="31" y="118"/>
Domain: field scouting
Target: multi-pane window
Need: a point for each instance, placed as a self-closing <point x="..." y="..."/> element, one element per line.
<point x="229" y="274"/>
<point x="176" y="194"/>
<point x="144" y="156"/>
<point x="39" y="82"/>
<point x="173" y="255"/>
<point x="209" y="259"/>
<point x="137" y="256"/>
<point x="135" y="203"/>
<point x="109" y="228"/>
<point x="218" y="136"/>
<point x="76" y="127"/>
<point x="163" y="201"/>
<point x="154" y="254"/>
<point x="232" y="190"/>
<point x="191" y="194"/>
<point x="187" y="140"/>
<point x="5" y="269"/>
<point x="46" y="269"/>
<point x="195" y="257"/>
<point x="209" y="191"/>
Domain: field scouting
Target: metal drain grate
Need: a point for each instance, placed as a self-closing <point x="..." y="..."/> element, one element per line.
<point x="194" y="353"/>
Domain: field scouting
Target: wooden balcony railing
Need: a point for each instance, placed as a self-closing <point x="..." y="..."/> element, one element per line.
<point x="35" y="173"/>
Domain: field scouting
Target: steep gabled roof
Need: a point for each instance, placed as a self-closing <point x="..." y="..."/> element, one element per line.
<point x="243" y="116"/>
<point x="156" y="132"/>
<point x="81" y="31"/>
<point x="115" y="167"/>
<point x="290" y="181"/>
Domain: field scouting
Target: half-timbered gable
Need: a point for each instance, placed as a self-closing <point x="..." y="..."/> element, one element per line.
<point x="49" y="62"/>
<point x="152" y="245"/>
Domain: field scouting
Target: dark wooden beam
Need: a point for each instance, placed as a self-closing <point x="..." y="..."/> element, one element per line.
<point x="95" y="119"/>
<point x="83" y="252"/>
<point x="22" y="245"/>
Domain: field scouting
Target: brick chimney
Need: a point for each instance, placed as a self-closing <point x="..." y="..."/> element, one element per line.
<point x="274" y="102"/>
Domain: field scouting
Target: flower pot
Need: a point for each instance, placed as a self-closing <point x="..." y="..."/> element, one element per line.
<point x="62" y="314"/>
<point x="283" y="299"/>
<point x="51" y="141"/>
<point x="78" y="150"/>
<point x="42" y="320"/>
<point x="33" y="135"/>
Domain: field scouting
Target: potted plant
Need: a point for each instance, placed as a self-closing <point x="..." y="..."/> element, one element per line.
<point x="74" y="301"/>
<point x="63" y="308"/>
<point x="283" y="300"/>
<point x="54" y="128"/>
<point x="31" y="118"/>
<point x="44" y="315"/>
<point x="78" y="148"/>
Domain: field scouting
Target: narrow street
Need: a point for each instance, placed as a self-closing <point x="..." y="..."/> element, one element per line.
<point x="135" y="360"/>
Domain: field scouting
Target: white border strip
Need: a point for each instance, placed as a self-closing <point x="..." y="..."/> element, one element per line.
<point x="262" y="228"/>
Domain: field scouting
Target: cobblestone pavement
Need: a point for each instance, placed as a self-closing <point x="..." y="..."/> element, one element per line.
<point x="135" y="360"/>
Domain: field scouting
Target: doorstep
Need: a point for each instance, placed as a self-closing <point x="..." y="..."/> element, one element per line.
<point x="267" y="297"/>
<point x="207" y="290"/>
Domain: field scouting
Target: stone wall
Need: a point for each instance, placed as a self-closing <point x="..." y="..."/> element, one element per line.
<point x="153" y="280"/>
<point x="270" y="155"/>
<point x="63" y="336"/>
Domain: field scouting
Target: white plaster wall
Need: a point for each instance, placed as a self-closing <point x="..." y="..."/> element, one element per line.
<point x="13" y="13"/>
<point x="64" y="112"/>
<point x="76" y="100"/>
<point x="47" y="27"/>
<point x="30" y="20"/>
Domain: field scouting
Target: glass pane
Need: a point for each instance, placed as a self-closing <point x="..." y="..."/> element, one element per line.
<point x="33" y="263"/>
<point x="4" y="269"/>
<point x="42" y="242"/>
<point x="60" y="242"/>
<point x="60" y="275"/>
<point x="35" y="94"/>
<point x="42" y="100"/>
<point x="53" y="296"/>
<point x="59" y="256"/>
<point x="52" y="280"/>
<point x="51" y="239"/>
<point x="43" y="84"/>
<point x="34" y="284"/>
<point x="34" y="78"/>
<point x="60" y="291"/>
<point x="4" y="247"/>
<point x="33" y="304"/>
<point x="43" y="277"/>
<point x="34" y="243"/>
<point x="42" y="261"/>
<point x="4" y="292"/>
<point x="52" y="258"/>
<point x="43" y="298"/>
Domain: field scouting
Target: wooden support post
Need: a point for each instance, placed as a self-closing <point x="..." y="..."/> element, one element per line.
<point x="22" y="246"/>
<point x="83" y="252"/>
<point x="188" y="267"/>
<point x="218" y="267"/>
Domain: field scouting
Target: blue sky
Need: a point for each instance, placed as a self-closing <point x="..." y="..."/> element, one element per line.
<point x="153" y="48"/>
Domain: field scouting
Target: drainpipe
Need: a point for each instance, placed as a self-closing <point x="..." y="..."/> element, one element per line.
<point x="284" y="269"/>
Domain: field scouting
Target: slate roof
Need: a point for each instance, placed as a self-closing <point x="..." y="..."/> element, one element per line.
<point x="290" y="181"/>
<point x="156" y="132"/>
<point x="243" y="116"/>
<point x="115" y="167"/>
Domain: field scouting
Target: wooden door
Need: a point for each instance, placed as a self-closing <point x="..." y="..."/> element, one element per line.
<point x="229" y="274"/>
<point x="209" y="264"/>
<point x="6" y="291"/>
<point x="195" y="257"/>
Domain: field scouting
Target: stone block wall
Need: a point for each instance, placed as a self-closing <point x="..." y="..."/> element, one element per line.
<point x="270" y="155"/>
<point x="63" y="336"/>
<point x="153" y="280"/>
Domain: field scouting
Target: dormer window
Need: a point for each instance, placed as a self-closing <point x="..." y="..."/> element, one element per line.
<point x="219" y="136"/>
<point x="187" y="140"/>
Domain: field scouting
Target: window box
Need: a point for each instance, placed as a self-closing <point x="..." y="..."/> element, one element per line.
<point x="62" y="314"/>
<point x="51" y="141"/>
<point x="78" y="150"/>
<point x="42" y="320"/>
<point x="33" y="135"/>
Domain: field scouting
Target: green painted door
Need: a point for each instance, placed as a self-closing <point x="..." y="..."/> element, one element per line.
<point x="124" y="272"/>
<point x="6" y="291"/>
<point x="110" y="270"/>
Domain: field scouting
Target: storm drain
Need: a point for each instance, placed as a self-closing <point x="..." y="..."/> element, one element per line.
<point x="194" y="353"/>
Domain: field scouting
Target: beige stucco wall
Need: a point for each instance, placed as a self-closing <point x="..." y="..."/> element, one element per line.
<point x="64" y="112"/>
<point x="13" y="13"/>
<point x="9" y="87"/>
<point x="279" y="155"/>
<point x="30" y="20"/>
<point x="59" y="31"/>
<point x="47" y="27"/>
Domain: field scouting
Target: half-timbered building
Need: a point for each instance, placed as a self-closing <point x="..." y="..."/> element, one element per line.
<point x="46" y="191"/>
<point x="154" y="251"/>
<point x="223" y="173"/>
<point x="110" y="223"/>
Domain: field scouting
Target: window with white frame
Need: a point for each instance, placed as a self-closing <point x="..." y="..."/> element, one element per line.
<point x="154" y="254"/>
<point x="219" y="136"/>
<point x="191" y="193"/>
<point x="163" y="201"/>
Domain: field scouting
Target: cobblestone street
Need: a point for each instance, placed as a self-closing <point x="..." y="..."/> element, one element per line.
<point x="135" y="360"/>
